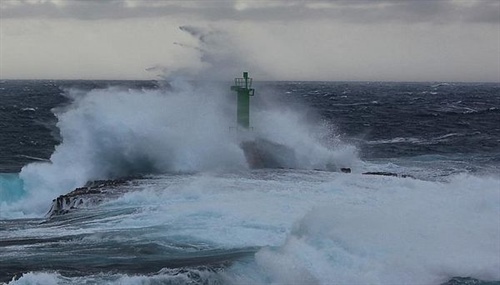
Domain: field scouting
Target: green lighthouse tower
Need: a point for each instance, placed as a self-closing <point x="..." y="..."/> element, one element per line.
<point x="242" y="86"/>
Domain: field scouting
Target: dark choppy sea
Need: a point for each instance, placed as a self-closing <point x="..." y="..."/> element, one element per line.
<point x="185" y="207"/>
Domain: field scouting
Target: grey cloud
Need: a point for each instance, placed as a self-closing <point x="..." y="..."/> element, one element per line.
<point x="446" y="11"/>
<point x="488" y="11"/>
<point x="363" y="11"/>
<point x="83" y="10"/>
<point x="89" y="9"/>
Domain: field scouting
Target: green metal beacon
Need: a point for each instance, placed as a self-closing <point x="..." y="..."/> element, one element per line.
<point x="259" y="152"/>
<point x="242" y="86"/>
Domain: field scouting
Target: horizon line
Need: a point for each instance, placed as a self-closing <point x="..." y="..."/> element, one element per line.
<point x="291" y="80"/>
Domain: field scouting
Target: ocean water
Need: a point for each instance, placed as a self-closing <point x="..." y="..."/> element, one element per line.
<point x="186" y="207"/>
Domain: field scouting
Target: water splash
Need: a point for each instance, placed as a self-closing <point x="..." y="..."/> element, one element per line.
<point x="117" y="132"/>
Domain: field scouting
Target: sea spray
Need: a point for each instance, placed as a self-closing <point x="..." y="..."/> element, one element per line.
<point x="112" y="133"/>
<point x="119" y="132"/>
<point x="312" y="151"/>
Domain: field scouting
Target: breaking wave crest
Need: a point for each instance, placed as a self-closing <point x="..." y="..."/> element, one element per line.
<point x="117" y="132"/>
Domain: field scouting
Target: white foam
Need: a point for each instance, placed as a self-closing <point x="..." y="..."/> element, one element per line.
<point x="166" y="276"/>
<point x="407" y="232"/>
<point x="117" y="132"/>
<point x="334" y="228"/>
<point x="37" y="278"/>
<point x="113" y="133"/>
<point x="330" y="228"/>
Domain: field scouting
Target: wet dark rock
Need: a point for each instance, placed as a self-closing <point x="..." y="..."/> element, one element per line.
<point x="261" y="153"/>
<point x="384" y="173"/>
<point x="345" y="170"/>
<point x="94" y="192"/>
<point x="469" y="281"/>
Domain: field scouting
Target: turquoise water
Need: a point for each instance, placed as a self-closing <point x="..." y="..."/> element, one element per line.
<point x="11" y="187"/>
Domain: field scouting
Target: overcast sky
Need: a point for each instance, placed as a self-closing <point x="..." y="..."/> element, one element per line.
<point x="406" y="40"/>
